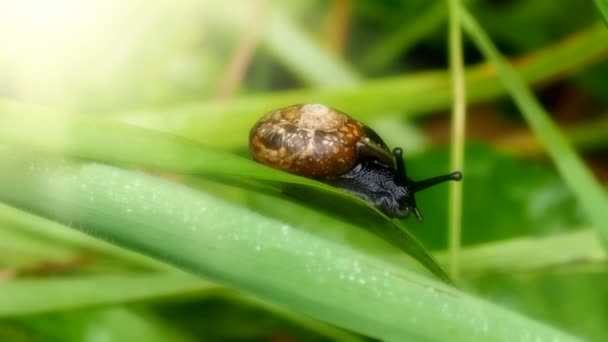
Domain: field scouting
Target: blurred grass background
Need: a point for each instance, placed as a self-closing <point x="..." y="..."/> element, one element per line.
<point x="74" y="75"/>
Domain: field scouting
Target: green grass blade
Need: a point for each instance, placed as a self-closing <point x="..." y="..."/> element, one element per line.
<point x="305" y="57"/>
<point x="457" y="135"/>
<point x="114" y="324"/>
<point x="117" y="143"/>
<point x="602" y="6"/>
<point x="53" y="240"/>
<point x="586" y="188"/>
<point x="22" y="297"/>
<point x="577" y="250"/>
<point x="401" y="40"/>
<point x="227" y="124"/>
<point x="321" y="277"/>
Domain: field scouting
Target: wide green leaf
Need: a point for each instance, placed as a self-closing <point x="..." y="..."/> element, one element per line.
<point x="117" y="143"/>
<point x="324" y="277"/>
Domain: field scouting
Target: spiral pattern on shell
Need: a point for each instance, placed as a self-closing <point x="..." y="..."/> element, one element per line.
<point x="310" y="140"/>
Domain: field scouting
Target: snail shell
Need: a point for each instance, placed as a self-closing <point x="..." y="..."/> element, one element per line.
<point x="314" y="140"/>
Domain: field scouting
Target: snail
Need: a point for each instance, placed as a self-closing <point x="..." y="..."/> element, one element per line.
<point x="320" y="142"/>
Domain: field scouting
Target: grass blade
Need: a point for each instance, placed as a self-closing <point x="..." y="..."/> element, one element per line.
<point x="403" y="39"/>
<point x="577" y="250"/>
<point x="22" y="297"/>
<point x="55" y="237"/>
<point x="458" y="135"/>
<point x="602" y="6"/>
<point x="227" y="124"/>
<point x="586" y="188"/>
<point x="320" y="277"/>
<point x="305" y="57"/>
<point x="117" y="143"/>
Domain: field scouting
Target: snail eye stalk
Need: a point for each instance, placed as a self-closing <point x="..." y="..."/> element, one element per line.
<point x="398" y="153"/>
<point x="427" y="183"/>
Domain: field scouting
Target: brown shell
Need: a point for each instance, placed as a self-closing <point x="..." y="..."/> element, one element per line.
<point x="310" y="140"/>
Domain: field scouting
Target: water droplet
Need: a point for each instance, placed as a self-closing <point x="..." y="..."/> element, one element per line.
<point x="285" y="229"/>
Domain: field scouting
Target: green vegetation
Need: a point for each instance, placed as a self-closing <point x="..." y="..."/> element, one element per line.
<point x="130" y="208"/>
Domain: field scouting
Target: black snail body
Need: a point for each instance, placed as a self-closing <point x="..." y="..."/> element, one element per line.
<point x="320" y="142"/>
